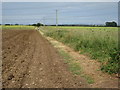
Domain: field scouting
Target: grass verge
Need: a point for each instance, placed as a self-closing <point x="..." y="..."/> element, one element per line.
<point x="74" y="67"/>
<point x="100" y="43"/>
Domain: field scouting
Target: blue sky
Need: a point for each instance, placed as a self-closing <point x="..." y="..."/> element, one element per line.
<point x="68" y="12"/>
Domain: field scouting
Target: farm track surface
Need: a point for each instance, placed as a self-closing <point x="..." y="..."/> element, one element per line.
<point x="30" y="61"/>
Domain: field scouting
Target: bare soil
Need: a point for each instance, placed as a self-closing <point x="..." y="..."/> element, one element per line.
<point x="30" y="61"/>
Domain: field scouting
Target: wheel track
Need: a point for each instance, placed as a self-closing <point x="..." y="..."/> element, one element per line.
<point x="9" y="35"/>
<point x="15" y="50"/>
<point x="49" y="73"/>
<point x="12" y="63"/>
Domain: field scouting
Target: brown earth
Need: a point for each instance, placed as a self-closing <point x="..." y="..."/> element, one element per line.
<point x="30" y="61"/>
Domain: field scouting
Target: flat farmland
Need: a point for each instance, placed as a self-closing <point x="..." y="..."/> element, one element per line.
<point x="30" y="61"/>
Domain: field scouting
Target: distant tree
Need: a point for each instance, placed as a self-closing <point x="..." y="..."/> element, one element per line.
<point x="114" y="24"/>
<point x="7" y="24"/>
<point x="16" y="24"/>
<point x="111" y="24"/>
<point x="39" y="24"/>
<point x="34" y="25"/>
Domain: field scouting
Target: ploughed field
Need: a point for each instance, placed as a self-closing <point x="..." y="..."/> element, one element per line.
<point x="30" y="61"/>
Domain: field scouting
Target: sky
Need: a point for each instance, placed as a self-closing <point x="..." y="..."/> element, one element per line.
<point x="59" y="0"/>
<point x="68" y="12"/>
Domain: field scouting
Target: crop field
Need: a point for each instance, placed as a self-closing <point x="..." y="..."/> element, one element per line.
<point x="17" y="27"/>
<point x="30" y="60"/>
<point x="60" y="45"/>
<point x="100" y="43"/>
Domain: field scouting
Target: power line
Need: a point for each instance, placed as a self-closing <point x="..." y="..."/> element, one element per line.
<point x="50" y="18"/>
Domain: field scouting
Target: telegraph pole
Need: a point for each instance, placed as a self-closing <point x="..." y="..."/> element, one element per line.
<point x="56" y="17"/>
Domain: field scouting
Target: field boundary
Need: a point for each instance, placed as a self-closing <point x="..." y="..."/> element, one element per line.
<point x="89" y="67"/>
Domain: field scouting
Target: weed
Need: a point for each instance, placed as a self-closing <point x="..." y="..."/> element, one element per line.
<point x="89" y="79"/>
<point x="75" y="67"/>
<point x="100" y="43"/>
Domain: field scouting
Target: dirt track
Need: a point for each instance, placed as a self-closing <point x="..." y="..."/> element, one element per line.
<point x="30" y="61"/>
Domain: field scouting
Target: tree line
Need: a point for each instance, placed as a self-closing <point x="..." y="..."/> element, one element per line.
<point x="107" y="24"/>
<point x="111" y="24"/>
